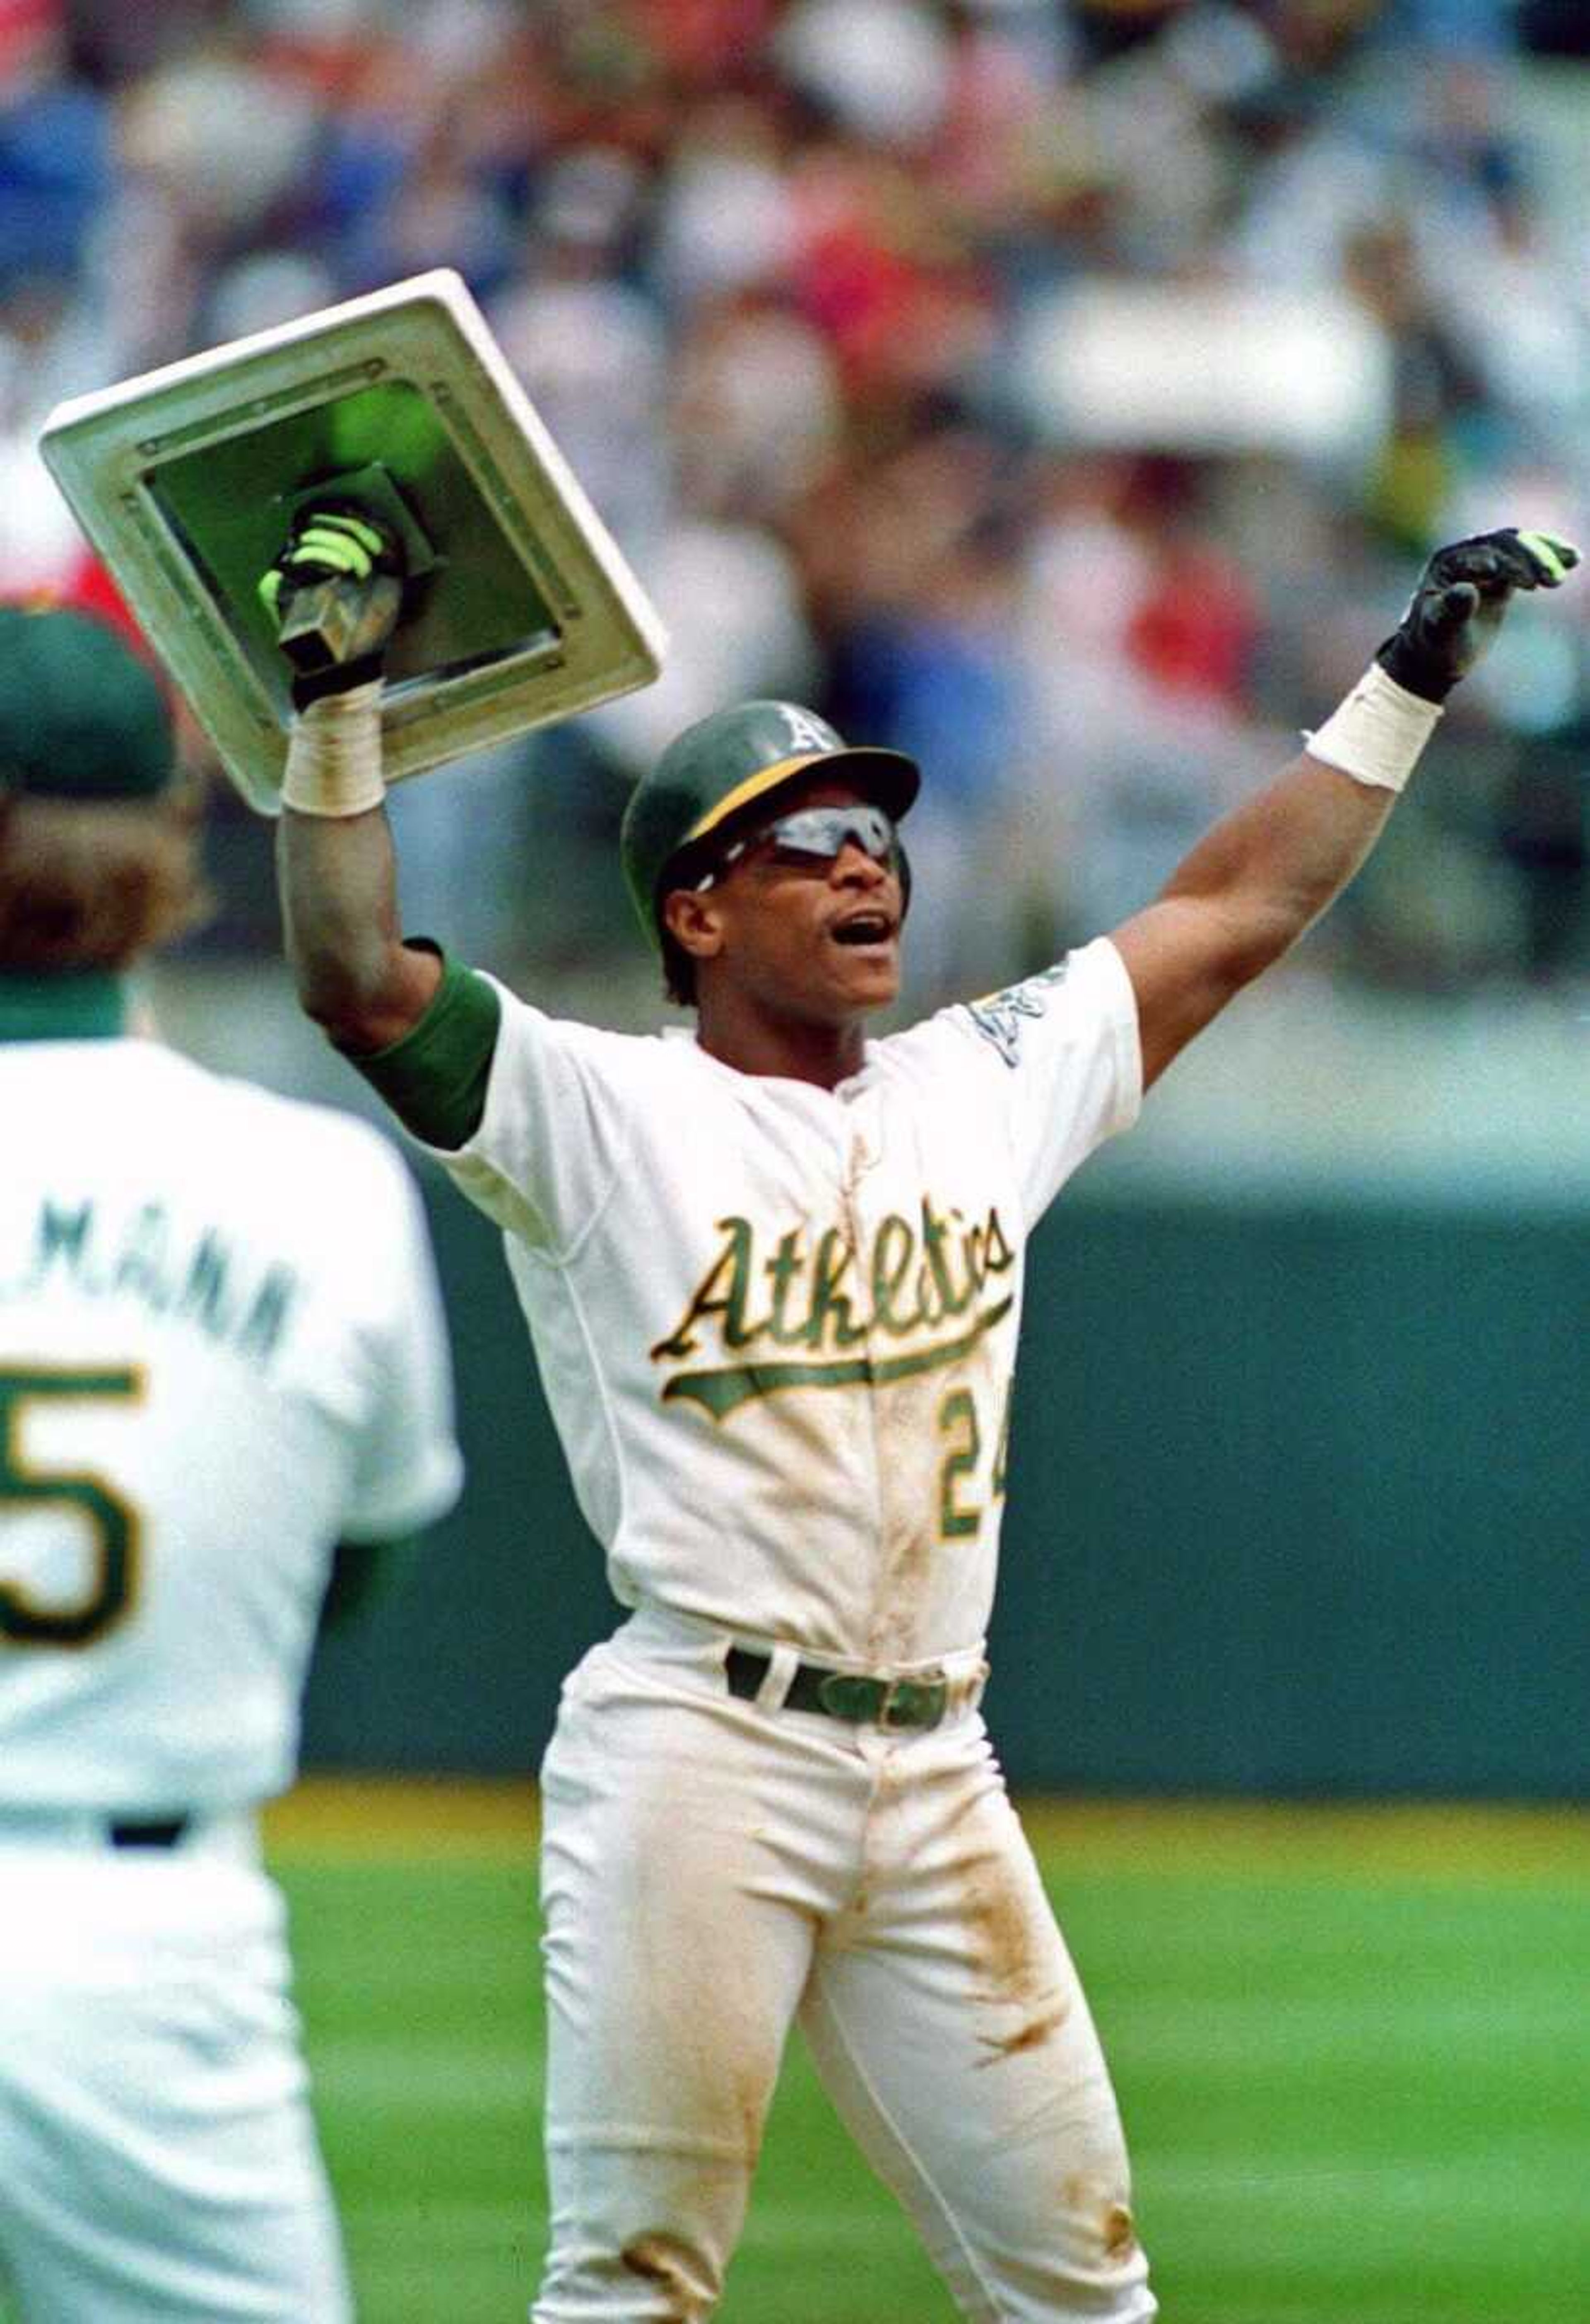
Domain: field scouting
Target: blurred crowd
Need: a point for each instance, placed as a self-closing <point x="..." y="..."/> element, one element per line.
<point x="1066" y="391"/>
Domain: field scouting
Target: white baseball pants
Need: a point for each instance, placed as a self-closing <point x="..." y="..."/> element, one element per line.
<point x="714" y="1869"/>
<point x="158" y="2163"/>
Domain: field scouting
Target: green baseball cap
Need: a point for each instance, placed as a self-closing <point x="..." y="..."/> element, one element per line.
<point x="81" y="716"/>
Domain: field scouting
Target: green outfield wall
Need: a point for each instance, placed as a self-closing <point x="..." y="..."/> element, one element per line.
<point x="1299" y="1505"/>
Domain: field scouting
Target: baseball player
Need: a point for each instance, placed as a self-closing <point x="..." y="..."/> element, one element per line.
<point x="773" y="1274"/>
<point x="221" y="1355"/>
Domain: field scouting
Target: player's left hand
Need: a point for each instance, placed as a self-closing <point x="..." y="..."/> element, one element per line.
<point x="1458" y="607"/>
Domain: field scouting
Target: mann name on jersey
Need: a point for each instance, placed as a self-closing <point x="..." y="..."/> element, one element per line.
<point x="78" y="1244"/>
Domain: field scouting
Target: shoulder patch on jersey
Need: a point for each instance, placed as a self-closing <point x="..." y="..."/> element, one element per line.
<point x="999" y="1016"/>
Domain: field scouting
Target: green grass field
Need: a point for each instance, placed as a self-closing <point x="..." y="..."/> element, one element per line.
<point x="1351" y="2047"/>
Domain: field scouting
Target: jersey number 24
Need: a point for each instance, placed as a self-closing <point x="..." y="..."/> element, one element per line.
<point x="960" y="1507"/>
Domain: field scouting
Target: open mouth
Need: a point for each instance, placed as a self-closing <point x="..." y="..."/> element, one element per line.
<point x="864" y="928"/>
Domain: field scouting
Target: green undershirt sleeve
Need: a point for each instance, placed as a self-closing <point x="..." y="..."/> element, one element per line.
<point x="435" y="1078"/>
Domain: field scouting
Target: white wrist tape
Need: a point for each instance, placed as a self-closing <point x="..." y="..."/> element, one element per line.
<point x="334" y="758"/>
<point x="1377" y="733"/>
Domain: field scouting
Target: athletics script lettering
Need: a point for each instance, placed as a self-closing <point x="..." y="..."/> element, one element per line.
<point x="767" y="1293"/>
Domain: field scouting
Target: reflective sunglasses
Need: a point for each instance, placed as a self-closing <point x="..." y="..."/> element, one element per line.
<point x="813" y="836"/>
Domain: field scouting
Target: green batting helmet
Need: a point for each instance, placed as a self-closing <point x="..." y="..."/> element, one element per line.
<point x="728" y="761"/>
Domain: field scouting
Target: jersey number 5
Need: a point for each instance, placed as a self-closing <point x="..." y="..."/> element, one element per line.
<point x="113" y="1523"/>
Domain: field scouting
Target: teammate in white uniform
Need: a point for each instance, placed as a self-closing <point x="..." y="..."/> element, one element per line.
<point x="773" y="1274"/>
<point x="221" y="1355"/>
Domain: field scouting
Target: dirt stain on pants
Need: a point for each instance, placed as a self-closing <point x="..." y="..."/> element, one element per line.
<point x="1012" y="1957"/>
<point x="678" y="2270"/>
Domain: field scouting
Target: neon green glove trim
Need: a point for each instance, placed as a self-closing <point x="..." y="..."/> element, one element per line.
<point x="1559" y="557"/>
<point x="320" y="546"/>
<point x="355" y="527"/>
<point x="332" y="543"/>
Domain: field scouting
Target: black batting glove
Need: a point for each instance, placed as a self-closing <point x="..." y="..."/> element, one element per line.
<point x="334" y="595"/>
<point x="1458" y="607"/>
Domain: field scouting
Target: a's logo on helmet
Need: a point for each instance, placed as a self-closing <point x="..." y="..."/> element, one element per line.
<point x="806" y="732"/>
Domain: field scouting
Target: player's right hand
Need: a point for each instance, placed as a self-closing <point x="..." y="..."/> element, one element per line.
<point x="1458" y="607"/>
<point x="334" y="594"/>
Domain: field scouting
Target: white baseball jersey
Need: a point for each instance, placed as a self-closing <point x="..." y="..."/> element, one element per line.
<point x="777" y="1325"/>
<point x="221" y="1351"/>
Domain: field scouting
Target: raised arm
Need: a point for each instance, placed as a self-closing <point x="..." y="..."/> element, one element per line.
<point x="335" y="861"/>
<point x="1266" y="871"/>
<point x="354" y="975"/>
